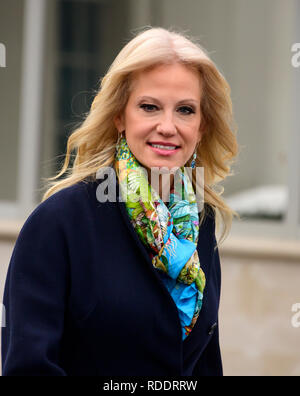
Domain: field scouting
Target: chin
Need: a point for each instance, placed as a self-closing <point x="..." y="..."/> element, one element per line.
<point x="164" y="165"/>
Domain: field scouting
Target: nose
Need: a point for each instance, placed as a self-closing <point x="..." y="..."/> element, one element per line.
<point x="166" y="125"/>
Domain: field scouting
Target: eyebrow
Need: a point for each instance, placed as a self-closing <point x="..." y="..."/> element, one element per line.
<point x="151" y="99"/>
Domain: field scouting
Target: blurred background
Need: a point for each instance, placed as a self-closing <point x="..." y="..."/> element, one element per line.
<point x="53" y="54"/>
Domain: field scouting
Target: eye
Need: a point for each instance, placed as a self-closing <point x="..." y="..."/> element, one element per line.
<point x="186" y="110"/>
<point x="148" y="107"/>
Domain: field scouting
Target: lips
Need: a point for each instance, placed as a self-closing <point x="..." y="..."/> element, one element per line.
<point x="164" y="144"/>
<point x="163" y="148"/>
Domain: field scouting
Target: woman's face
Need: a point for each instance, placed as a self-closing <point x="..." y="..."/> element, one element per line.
<point x="162" y="116"/>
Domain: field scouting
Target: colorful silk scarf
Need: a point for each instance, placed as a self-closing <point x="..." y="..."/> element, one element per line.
<point x="169" y="232"/>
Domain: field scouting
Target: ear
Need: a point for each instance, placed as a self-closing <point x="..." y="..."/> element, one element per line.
<point x="199" y="137"/>
<point x="119" y="123"/>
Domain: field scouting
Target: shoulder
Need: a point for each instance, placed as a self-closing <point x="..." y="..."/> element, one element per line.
<point x="207" y="214"/>
<point x="68" y="197"/>
<point x="61" y="206"/>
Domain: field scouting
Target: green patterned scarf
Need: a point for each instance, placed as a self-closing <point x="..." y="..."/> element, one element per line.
<point x="169" y="232"/>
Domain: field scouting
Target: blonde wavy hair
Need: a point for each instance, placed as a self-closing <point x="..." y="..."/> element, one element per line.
<point x="94" y="141"/>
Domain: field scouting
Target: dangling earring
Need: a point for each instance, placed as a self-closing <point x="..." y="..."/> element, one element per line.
<point x="119" y="140"/>
<point x="193" y="163"/>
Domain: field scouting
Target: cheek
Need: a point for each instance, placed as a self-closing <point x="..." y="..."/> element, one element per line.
<point x="137" y="124"/>
<point x="192" y="134"/>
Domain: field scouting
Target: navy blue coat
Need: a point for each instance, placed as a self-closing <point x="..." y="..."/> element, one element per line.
<point x="83" y="298"/>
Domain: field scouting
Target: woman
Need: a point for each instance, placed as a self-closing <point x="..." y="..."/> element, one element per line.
<point x="129" y="286"/>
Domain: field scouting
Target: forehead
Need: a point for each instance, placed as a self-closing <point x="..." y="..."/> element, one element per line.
<point x="175" y="78"/>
